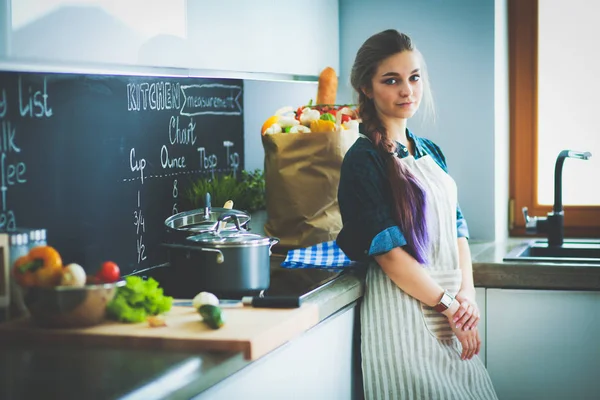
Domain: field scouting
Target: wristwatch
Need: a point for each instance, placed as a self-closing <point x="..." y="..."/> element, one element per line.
<point x="445" y="302"/>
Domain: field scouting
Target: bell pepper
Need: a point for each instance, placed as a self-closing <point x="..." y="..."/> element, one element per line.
<point x="42" y="266"/>
<point x="322" y="126"/>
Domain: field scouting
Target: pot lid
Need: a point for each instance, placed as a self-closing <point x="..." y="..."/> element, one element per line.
<point x="201" y="220"/>
<point x="229" y="238"/>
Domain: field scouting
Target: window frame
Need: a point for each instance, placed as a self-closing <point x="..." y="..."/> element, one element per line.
<point x="580" y="221"/>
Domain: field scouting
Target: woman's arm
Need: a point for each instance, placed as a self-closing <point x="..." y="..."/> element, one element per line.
<point x="411" y="277"/>
<point x="468" y="314"/>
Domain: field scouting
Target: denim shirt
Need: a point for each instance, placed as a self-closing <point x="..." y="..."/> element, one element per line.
<point x="363" y="186"/>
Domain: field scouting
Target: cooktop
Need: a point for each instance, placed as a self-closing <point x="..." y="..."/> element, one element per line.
<point x="299" y="282"/>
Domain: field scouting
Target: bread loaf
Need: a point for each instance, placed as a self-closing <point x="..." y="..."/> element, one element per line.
<point x="327" y="89"/>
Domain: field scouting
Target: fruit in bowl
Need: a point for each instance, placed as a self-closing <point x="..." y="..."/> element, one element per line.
<point x="70" y="306"/>
<point x="60" y="296"/>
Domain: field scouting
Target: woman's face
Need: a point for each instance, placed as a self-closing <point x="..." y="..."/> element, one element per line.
<point x="397" y="88"/>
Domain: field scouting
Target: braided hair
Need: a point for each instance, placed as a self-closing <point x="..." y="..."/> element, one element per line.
<point x="409" y="210"/>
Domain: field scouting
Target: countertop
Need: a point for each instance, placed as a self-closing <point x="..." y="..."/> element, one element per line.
<point x="32" y="371"/>
<point x="68" y="371"/>
<point x="490" y="271"/>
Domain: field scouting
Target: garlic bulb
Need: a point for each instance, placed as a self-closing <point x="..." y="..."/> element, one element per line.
<point x="73" y="275"/>
<point x="204" y="298"/>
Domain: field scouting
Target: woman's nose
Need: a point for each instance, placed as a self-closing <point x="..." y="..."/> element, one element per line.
<point x="405" y="89"/>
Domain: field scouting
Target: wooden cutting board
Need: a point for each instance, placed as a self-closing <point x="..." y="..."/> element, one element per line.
<point x="254" y="331"/>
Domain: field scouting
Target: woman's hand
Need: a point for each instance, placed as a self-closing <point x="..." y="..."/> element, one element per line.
<point x="470" y="340"/>
<point x="467" y="317"/>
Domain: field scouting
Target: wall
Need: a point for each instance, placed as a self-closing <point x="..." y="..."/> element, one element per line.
<point x="464" y="42"/>
<point x="458" y="41"/>
<point x="502" y="117"/>
<point x="261" y="100"/>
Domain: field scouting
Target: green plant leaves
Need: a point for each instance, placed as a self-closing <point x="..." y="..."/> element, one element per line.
<point x="246" y="191"/>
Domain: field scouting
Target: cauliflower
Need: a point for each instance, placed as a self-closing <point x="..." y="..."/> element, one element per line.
<point x="299" y="129"/>
<point x="287" y="121"/>
<point x="273" y="129"/>
<point x="352" y="125"/>
<point x="308" y="115"/>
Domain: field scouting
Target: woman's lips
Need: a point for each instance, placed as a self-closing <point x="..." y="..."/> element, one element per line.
<point x="405" y="104"/>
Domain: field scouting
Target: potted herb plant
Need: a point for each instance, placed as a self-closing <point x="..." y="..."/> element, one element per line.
<point x="247" y="191"/>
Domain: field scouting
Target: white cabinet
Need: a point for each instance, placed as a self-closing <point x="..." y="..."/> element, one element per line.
<point x="543" y="344"/>
<point x="319" y="364"/>
<point x="258" y="36"/>
<point x="100" y="32"/>
<point x="272" y="36"/>
<point x="481" y="303"/>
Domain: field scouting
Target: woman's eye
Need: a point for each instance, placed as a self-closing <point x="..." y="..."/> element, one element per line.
<point x="391" y="81"/>
<point x="415" y="78"/>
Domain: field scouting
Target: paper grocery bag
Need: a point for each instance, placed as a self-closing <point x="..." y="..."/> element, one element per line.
<point x="302" y="174"/>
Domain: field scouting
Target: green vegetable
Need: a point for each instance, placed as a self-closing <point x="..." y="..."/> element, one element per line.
<point x="328" y="117"/>
<point x="138" y="299"/>
<point x="212" y="316"/>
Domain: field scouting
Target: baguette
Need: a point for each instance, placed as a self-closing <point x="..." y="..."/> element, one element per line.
<point x="327" y="88"/>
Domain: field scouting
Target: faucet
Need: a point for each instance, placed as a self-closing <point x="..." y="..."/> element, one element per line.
<point x="553" y="224"/>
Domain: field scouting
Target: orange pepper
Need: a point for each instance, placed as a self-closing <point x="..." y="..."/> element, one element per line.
<point x="42" y="266"/>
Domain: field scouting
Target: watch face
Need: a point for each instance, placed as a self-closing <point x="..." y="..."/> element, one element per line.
<point x="446" y="300"/>
<point x="444" y="303"/>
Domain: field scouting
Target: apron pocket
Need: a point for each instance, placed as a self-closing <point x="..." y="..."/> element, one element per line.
<point x="437" y="323"/>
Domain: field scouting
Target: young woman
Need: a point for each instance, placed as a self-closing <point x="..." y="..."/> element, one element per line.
<point x="419" y="334"/>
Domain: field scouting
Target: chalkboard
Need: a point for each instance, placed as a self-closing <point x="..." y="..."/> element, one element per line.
<point x="101" y="161"/>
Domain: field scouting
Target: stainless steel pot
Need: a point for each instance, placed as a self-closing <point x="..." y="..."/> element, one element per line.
<point x="229" y="263"/>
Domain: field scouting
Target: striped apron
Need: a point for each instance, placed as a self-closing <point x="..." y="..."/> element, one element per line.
<point x="409" y="350"/>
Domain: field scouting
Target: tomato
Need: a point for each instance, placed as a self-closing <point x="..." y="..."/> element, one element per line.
<point x="109" y="272"/>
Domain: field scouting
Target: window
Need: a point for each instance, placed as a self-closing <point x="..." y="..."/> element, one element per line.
<point x="554" y="106"/>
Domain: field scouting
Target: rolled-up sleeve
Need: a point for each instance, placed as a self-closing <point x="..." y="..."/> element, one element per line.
<point x="386" y="241"/>
<point x="462" y="230"/>
<point x="365" y="205"/>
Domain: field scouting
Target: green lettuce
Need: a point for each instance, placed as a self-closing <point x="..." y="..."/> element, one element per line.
<point x="137" y="300"/>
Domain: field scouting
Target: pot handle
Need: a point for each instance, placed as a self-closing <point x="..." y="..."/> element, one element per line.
<point x="272" y="241"/>
<point x="220" y="256"/>
<point x="224" y="217"/>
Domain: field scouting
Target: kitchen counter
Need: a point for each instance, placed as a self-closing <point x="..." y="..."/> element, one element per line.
<point x="70" y="371"/>
<point x="65" y="371"/>
<point x="490" y="271"/>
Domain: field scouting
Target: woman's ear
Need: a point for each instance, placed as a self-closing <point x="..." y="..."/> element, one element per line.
<point x="367" y="91"/>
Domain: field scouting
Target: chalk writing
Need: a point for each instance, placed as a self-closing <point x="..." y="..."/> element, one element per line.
<point x="3" y="103"/>
<point x="175" y="196"/>
<point x="30" y="100"/>
<point x="136" y="165"/>
<point x="167" y="162"/>
<point x="33" y="101"/>
<point x="211" y="98"/>
<point x="140" y="228"/>
<point x="153" y="96"/>
<point x="233" y="159"/>
<point x="207" y="161"/>
<point x="181" y="136"/>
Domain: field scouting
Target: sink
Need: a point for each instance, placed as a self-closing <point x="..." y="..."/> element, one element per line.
<point x="572" y="251"/>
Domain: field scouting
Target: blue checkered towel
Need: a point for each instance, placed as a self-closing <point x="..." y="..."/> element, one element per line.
<point x="323" y="255"/>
